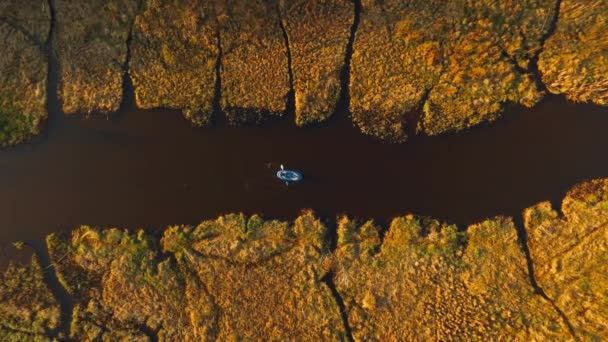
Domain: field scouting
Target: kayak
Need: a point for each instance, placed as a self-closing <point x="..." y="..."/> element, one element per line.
<point x="289" y="175"/>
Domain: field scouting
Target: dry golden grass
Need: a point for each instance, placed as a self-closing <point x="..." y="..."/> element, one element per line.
<point x="429" y="282"/>
<point x="28" y="309"/>
<point x="173" y="57"/>
<point x="91" y="47"/>
<point x="485" y="61"/>
<point x="318" y="32"/>
<point x="570" y="255"/>
<point x="233" y="277"/>
<point x="254" y="70"/>
<point x="574" y="59"/>
<point x="243" y="278"/>
<point x="24" y="27"/>
<point x="466" y="55"/>
<point x="122" y="290"/>
<point x="264" y="277"/>
<point x="397" y="57"/>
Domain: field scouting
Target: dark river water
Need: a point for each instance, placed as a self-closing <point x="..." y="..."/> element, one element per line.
<point x="150" y="169"/>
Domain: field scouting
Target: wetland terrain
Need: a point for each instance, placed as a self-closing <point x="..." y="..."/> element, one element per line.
<point x="453" y="157"/>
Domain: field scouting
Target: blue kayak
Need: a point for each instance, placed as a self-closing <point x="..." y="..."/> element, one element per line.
<point x="289" y="175"/>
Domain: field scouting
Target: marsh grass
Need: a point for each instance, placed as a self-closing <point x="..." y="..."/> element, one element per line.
<point x="23" y="70"/>
<point x="91" y="47"/>
<point x="318" y="32"/>
<point x="573" y="61"/>
<point x="457" y="62"/>
<point x="569" y="253"/>
<point x="264" y="276"/>
<point x="173" y="57"/>
<point x="244" y="277"/>
<point x="28" y="309"/>
<point x="254" y="66"/>
<point x="430" y="281"/>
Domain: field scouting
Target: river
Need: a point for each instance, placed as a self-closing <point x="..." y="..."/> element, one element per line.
<point x="150" y="169"/>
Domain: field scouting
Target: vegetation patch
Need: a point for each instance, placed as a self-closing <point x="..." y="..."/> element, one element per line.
<point x="265" y="278"/>
<point x="92" y="50"/>
<point x="245" y="278"/>
<point x="574" y="61"/>
<point x="254" y="69"/>
<point x="458" y="62"/>
<point x="397" y="56"/>
<point x="174" y="52"/>
<point x="417" y="66"/>
<point x="122" y="288"/>
<point x="428" y="281"/>
<point x="28" y="309"/>
<point x="23" y="69"/>
<point x="318" y="32"/>
<point x="570" y="254"/>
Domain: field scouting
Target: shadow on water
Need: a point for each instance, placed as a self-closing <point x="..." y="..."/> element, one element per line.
<point x="150" y="169"/>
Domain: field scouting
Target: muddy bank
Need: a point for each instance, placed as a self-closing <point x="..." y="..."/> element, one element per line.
<point x="174" y="50"/>
<point x="245" y="277"/>
<point x="573" y="61"/>
<point x="91" y="46"/>
<point x="24" y="28"/>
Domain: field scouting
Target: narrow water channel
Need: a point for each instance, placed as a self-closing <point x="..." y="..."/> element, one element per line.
<point x="150" y="169"/>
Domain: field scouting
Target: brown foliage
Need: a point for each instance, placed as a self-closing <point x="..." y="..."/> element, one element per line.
<point x="28" y="309"/>
<point x="264" y="277"/>
<point x="429" y="282"/>
<point x="318" y="33"/>
<point x="91" y="47"/>
<point x="120" y="286"/>
<point x="241" y="277"/>
<point x="570" y="254"/>
<point x="174" y="52"/>
<point x="574" y="61"/>
<point x="255" y="76"/>
<point x="24" y="27"/>
<point x="468" y="56"/>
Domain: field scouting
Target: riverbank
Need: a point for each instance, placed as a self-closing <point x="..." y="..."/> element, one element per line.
<point x="24" y="32"/>
<point x="246" y="277"/>
<point x="573" y="60"/>
<point x="100" y="171"/>
<point x="91" y="47"/>
<point x="452" y="68"/>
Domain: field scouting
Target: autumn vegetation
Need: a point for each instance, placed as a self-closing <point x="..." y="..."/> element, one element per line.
<point x="318" y="32"/>
<point x="23" y="69"/>
<point x="397" y="57"/>
<point x="570" y="254"/>
<point x="245" y="278"/>
<point x="28" y="309"/>
<point x="457" y="62"/>
<point x="92" y="50"/>
<point x="254" y="66"/>
<point x="428" y="281"/>
<point x="263" y="277"/>
<point x="574" y="60"/>
<point x="173" y="57"/>
<point x="417" y="67"/>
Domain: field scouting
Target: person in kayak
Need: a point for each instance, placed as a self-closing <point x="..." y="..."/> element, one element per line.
<point x="289" y="176"/>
